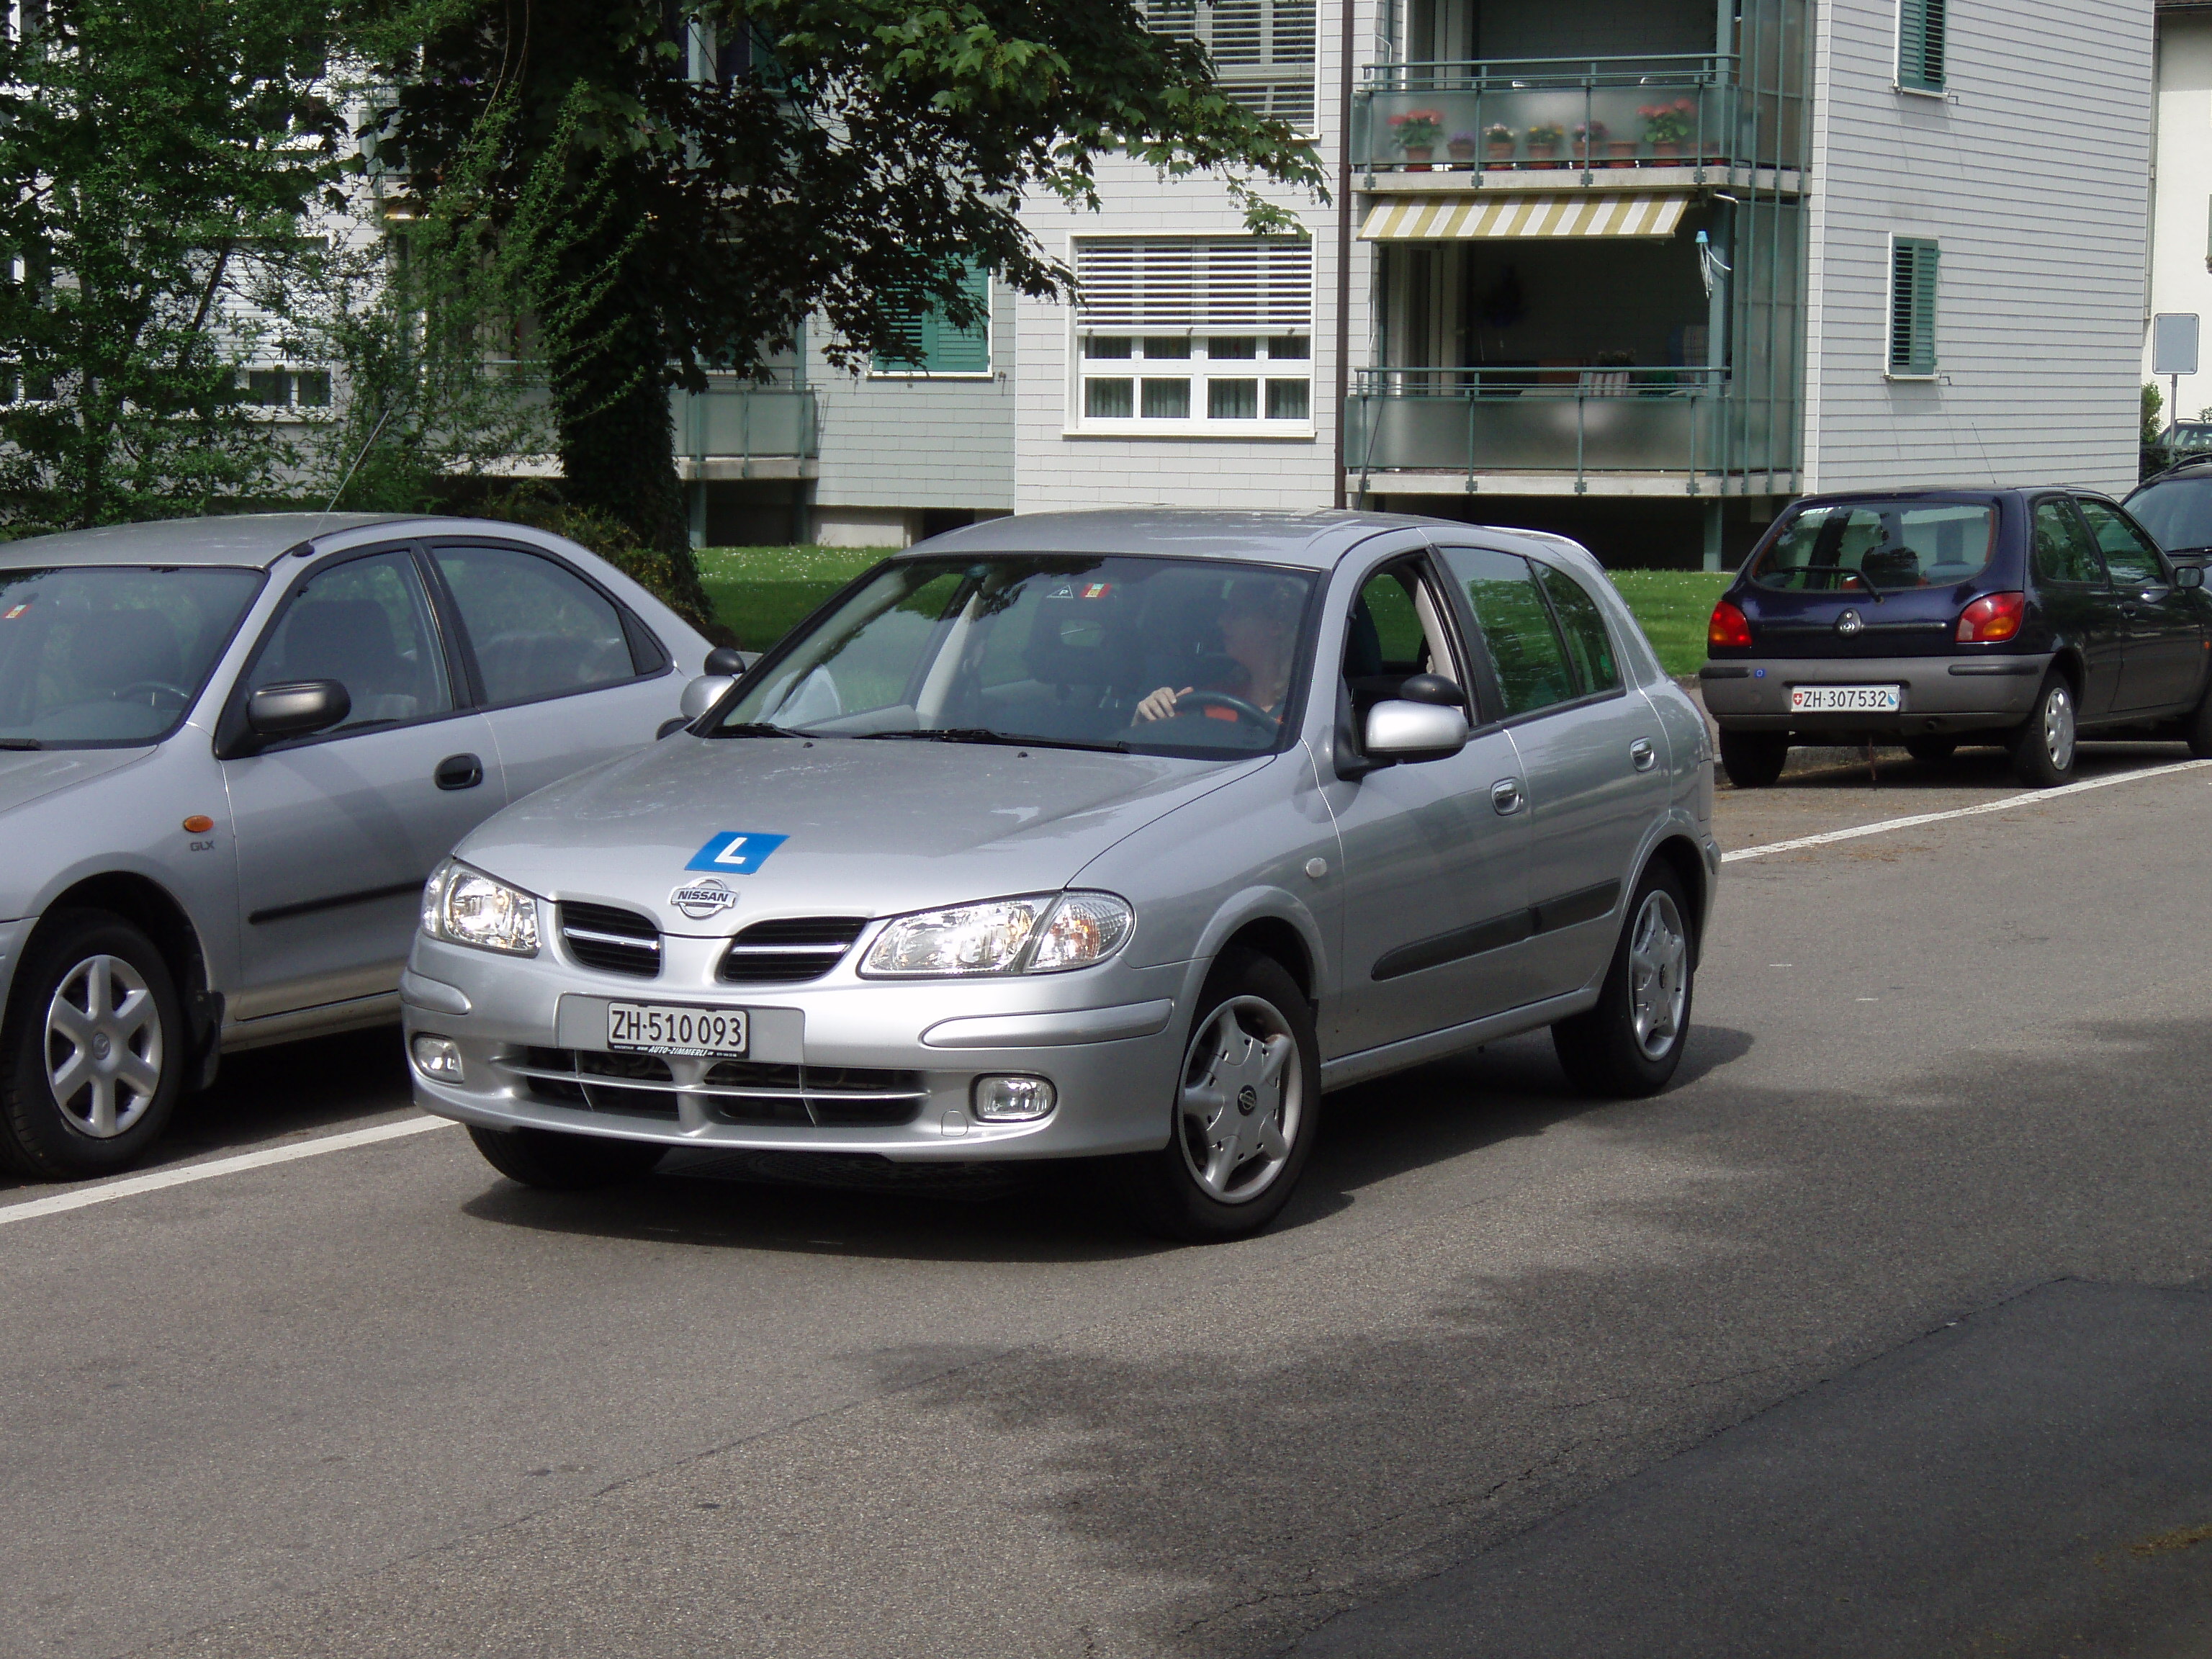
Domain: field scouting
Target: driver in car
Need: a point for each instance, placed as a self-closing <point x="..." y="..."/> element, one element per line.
<point x="1259" y="633"/>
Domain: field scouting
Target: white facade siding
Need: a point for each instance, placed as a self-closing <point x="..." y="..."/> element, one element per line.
<point x="2181" y="222"/>
<point x="2033" y="172"/>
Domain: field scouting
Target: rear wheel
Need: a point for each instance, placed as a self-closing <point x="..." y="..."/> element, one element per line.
<point x="1934" y="749"/>
<point x="2043" y="749"/>
<point x="2200" y="729"/>
<point x="564" y="1162"/>
<point x="1630" y="1044"/>
<point x="1752" y="760"/>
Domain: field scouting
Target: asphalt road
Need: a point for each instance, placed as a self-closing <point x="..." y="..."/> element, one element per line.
<point x="1883" y="1333"/>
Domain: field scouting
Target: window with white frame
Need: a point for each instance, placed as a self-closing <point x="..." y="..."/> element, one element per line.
<point x="1913" y="264"/>
<point x="1922" y="34"/>
<point x="935" y="348"/>
<point x="1262" y="49"/>
<point x="1193" y="337"/>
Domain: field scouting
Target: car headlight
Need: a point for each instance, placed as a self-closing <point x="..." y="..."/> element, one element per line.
<point x="1041" y="933"/>
<point x="466" y="906"/>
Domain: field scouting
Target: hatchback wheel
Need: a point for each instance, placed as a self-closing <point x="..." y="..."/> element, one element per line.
<point x="1247" y="1107"/>
<point x="1630" y="1044"/>
<point x="94" y="1050"/>
<point x="2200" y="729"/>
<point x="1752" y="760"/>
<point x="564" y="1162"/>
<point x="2043" y="749"/>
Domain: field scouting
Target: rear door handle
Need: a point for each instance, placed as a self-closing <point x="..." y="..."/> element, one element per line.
<point x="1506" y="796"/>
<point x="459" y="772"/>
<point x="1642" y="754"/>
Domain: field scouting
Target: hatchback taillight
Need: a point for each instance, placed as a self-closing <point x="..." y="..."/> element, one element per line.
<point x="1729" y="630"/>
<point x="1992" y="617"/>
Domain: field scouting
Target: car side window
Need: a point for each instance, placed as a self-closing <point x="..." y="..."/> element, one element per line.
<point x="537" y="630"/>
<point x="2063" y="551"/>
<point x="366" y="624"/>
<point x="1531" y="658"/>
<point x="2128" y="552"/>
<point x="1590" y="647"/>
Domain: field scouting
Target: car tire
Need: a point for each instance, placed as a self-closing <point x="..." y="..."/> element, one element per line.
<point x="1934" y="751"/>
<point x="2044" y="747"/>
<point x="2200" y="729"/>
<point x="93" y="1053"/>
<point x="1630" y="1044"/>
<point x="1753" y="760"/>
<point x="1251" y="1065"/>
<point x="564" y="1162"/>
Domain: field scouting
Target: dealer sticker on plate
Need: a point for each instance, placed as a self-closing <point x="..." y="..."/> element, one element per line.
<point x="655" y="1028"/>
<point x="1846" y="699"/>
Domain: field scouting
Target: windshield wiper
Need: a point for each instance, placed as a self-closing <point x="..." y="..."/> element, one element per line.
<point x="983" y="734"/>
<point x="752" y="729"/>
<point x="21" y="743"/>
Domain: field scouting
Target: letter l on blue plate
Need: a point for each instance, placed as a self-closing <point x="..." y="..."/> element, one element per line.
<point x="735" y="851"/>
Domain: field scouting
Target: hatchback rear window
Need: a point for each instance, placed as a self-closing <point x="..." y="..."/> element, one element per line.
<point x="1866" y="546"/>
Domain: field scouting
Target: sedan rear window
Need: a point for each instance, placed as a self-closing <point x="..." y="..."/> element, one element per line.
<point x="1879" y="546"/>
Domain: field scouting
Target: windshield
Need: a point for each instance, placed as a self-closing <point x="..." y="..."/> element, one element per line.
<point x="110" y="655"/>
<point x="1156" y="656"/>
<point x="2178" y="513"/>
<point x="1859" y="547"/>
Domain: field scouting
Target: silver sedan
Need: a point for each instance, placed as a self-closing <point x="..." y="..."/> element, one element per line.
<point x="1117" y="837"/>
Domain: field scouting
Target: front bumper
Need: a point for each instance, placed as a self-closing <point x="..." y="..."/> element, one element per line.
<point x="1941" y="694"/>
<point x="1109" y="1038"/>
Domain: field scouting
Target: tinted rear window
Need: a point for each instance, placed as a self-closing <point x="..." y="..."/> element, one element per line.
<point x="1858" y="546"/>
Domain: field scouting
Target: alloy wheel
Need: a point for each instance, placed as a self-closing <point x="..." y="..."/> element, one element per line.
<point x="1243" y="1093"/>
<point x="2058" y="727"/>
<point x="1658" y="974"/>
<point x="103" y="1047"/>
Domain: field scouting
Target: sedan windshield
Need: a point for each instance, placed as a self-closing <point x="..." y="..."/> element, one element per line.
<point x="106" y="656"/>
<point x="1155" y="656"/>
<point x="1861" y="547"/>
<point x="2178" y="513"/>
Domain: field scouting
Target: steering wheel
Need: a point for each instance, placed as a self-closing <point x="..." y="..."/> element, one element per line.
<point x="127" y="693"/>
<point x="1249" y="713"/>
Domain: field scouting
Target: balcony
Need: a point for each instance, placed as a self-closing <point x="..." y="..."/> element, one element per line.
<point x="734" y="431"/>
<point x="1624" y="123"/>
<point x="1601" y="430"/>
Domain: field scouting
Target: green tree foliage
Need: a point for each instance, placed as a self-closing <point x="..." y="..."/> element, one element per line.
<point x="156" y="165"/>
<point x="842" y="158"/>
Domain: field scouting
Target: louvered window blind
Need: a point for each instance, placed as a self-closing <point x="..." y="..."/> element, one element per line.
<point x="935" y="346"/>
<point x="1920" y="43"/>
<point x="1262" y="49"/>
<point x="1247" y="283"/>
<point x="1912" y="267"/>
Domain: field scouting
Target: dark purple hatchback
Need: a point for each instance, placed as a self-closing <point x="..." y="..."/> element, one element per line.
<point x="2025" y="618"/>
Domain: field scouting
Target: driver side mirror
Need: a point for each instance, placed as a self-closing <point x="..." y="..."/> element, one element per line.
<point x="2188" y="575"/>
<point x="702" y="693"/>
<point x="296" y="708"/>
<point x="1400" y="731"/>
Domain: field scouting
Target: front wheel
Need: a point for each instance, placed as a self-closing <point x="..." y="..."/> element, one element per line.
<point x="564" y="1162"/>
<point x="1247" y="1107"/>
<point x="2043" y="749"/>
<point x="1629" y="1045"/>
<point x="1752" y="760"/>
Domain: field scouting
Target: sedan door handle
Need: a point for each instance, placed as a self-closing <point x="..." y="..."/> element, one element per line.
<point x="1506" y="796"/>
<point x="459" y="772"/>
<point x="1642" y="754"/>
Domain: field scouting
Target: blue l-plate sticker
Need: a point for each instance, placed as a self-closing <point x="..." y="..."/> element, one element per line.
<point x="735" y="851"/>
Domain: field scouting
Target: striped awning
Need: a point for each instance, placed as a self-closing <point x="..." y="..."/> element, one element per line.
<point x="1502" y="216"/>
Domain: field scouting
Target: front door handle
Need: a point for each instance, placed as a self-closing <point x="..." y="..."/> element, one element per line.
<point x="1642" y="754"/>
<point x="459" y="772"/>
<point x="1506" y="796"/>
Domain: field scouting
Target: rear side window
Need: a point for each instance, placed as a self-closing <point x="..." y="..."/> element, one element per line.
<point x="2132" y="561"/>
<point x="366" y="624"/>
<point x="2063" y="553"/>
<point x="537" y="630"/>
<point x="2178" y="512"/>
<point x="1858" y="547"/>
<point x="1589" y="645"/>
<point x="1533" y="669"/>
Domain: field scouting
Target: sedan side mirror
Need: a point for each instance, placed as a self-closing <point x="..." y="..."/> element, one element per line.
<point x="2188" y="575"/>
<point x="702" y="693"/>
<point x="1401" y="731"/>
<point x="297" y="707"/>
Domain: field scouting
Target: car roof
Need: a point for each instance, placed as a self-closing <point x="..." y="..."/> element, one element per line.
<point x="258" y="540"/>
<point x="1314" y="541"/>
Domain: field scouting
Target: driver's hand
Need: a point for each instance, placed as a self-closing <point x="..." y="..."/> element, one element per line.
<point x="1161" y="705"/>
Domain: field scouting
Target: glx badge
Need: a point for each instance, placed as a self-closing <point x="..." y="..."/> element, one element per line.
<point x="702" y="899"/>
<point x="1850" y="623"/>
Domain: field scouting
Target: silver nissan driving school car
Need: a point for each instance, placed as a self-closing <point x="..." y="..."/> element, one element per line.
<point x="1115" y="836"/>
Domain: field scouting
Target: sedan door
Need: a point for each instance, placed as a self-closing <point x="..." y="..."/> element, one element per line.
<point x="336" y="833"/>
<point x="2078" y="600"/>
<point x="2165" y="663"/>
<point x="569" y="677"/>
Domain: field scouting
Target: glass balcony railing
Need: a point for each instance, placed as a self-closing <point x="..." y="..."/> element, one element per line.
<point x="1581" y="116"/>
<point x="1577" y="422"/>
<point x="747" y="423"/>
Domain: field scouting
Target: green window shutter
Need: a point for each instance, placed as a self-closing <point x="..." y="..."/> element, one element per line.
<point x="1912" y="267"/>
<point x="935" y="346"/>
<point x="1920" y="43"/>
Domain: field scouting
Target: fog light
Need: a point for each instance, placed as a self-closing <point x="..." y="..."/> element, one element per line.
<point x="438" y="1057"/>
<point x="1013" y="1099"/>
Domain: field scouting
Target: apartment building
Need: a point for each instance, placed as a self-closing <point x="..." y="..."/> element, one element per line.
<point x="2180" y="261"/>
<point x="1636" y="270"/>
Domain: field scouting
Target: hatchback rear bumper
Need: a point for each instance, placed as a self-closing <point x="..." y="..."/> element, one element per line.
<point x="1941" y="694"/>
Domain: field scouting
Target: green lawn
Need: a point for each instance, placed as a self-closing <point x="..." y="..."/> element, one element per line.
<point x="760" y="592"/>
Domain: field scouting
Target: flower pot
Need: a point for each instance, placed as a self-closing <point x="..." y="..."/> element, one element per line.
<point x="1462" y="152"/>
<point x="1417" y="157"/>
<point x="1665" y="149"/>
<point x="1499" y="154"/>
<point x="1544" y="155"/>
<point x="1621" y="152"/>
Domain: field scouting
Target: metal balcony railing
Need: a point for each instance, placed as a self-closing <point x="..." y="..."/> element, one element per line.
<point x="747" y="423"/>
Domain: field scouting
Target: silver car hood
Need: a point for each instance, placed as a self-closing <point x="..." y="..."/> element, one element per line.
<point x="872" y="828"/>
<point x="26" y="774"/>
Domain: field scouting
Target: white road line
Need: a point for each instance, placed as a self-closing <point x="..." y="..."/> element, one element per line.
<point x="78" y="1197"/>
<point x="2031" y="798"/>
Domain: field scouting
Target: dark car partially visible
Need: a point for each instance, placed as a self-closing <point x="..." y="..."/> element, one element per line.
<point x="2024" y="618"/>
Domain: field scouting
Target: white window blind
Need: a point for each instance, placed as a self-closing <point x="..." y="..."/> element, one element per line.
<point x="1259" y="283"/>
<point x="1262" y="49"/>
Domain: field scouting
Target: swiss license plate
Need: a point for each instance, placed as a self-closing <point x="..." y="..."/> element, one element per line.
<point x="655" y="1028"/>
<point x="1846" y="699"/>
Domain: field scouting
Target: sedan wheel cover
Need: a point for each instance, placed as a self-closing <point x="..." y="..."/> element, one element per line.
<point x="103" y="1050"/>
<point x="2058" y="727"/>
<point x="1243" y="1094"/>
<point x="1658" y="974"/>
